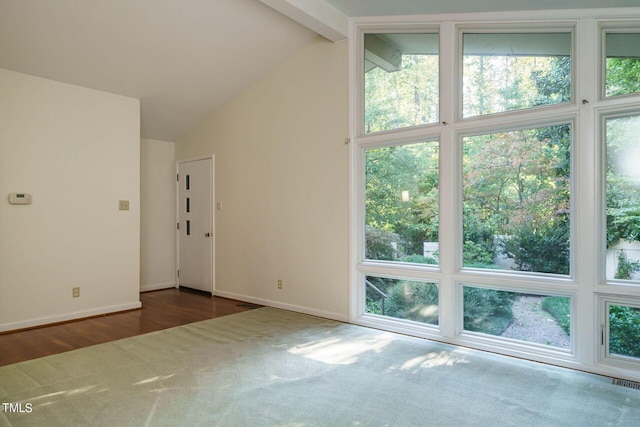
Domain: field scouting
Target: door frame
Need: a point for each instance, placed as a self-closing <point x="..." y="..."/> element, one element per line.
<point x="213" y="218"/>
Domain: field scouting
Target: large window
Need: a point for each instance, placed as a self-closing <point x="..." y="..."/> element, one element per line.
<point x="622" y="137"/>
<point x="402" y="299"/>
<point x="516" y="205"/>
<point x="532" y="318"/>
<point x="622" y="64"/>
<point x="401" y="80"/>
<point x="496" y="183"/>
<point x="624" y="330"/>
<point x="402" y="203"/>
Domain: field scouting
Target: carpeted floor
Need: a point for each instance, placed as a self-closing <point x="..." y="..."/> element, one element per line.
<point x="270" y="367"/>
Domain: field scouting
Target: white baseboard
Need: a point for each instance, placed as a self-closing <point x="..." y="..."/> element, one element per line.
<point x="156" y="287"/>
<point x="40" y="321"/>
<point x="277" y="304"/>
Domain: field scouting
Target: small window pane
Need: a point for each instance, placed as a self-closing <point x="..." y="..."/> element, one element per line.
<point x="402" y="203"/>
<point x="512" y="71"/>
<point x="540" y="319"/>
<point x="401" y="80"/>
<point x="624" y="331"/>
<point x="402" y="299"/>
<point x="622" y="63"/>
<point x="516" y="200"/>
<point x="623" y="197"/>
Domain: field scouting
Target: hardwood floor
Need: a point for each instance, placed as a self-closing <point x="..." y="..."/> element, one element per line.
<point x="160" y="310"/>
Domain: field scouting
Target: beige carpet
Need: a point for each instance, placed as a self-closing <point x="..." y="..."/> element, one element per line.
<point x="270" y="367"/>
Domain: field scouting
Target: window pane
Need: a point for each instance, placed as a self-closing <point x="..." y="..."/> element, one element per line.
<point x="401" y="80"/>
<point x="402" y="299"/>
<point x="622" y="63"/>
<point x="512" y="71"/>
<point x="516" y="200"/>
<point x="402" y="203"/>
<point x="539" y="319"/>
<point x="623" y="197"/>
<point x="624" y="331"/>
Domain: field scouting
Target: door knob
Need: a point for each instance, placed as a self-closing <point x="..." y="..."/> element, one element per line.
<point x="207" y="234"/>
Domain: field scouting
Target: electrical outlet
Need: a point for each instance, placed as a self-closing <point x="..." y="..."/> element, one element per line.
<point x="123" y="205"/>
<point x="279" y="284"/>
<point x="76" y="292"/>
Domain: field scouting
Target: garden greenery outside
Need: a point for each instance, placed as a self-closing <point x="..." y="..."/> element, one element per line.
<point x="516" y="188"/>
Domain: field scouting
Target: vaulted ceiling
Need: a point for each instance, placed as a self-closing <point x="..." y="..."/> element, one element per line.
<point x="184" y="59"/>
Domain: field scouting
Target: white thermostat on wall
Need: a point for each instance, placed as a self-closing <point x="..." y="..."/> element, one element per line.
<point x="20" y="199"/>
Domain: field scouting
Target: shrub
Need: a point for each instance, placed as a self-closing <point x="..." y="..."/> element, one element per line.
<point x="374" y="301"/>
<point x="543" y="249"/>
<point x="476" y="254"/>
<point x="487" y="310"/>
<point x="373" y="306"/>
<point x="418" y="259"/>
<point x="624" y="331"/>
<point x="479" y="245"/>
<point x="413" y="301"/>
<point x="560" y="309"/>
<point x="626" y="268"/>
<point x="381" y="244"/>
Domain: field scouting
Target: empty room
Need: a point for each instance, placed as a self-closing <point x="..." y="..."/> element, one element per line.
<point x="319" y="212"/>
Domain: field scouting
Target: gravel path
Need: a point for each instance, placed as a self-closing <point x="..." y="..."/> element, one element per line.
<point x="531" y="323"/>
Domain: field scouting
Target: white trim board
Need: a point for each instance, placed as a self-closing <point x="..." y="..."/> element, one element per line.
<point x="42" y="321"/>
<point x="277" y="304"/>
<point x="157" y="287"/>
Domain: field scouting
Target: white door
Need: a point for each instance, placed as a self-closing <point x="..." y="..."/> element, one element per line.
<point x="195" y="225"/>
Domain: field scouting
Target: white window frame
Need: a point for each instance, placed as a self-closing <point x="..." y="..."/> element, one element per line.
<point x="625" y="107"/>
<point x="611" y="26"/>
<point x="491" y="343"/>
<point x="620" y="365"/>
<point x="394" y="323"/>
<point x="528" y="27"/>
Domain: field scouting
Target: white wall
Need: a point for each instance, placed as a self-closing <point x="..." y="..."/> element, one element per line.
<point x="282" y="179"/>
<point x="157" y="214"/>
<point x="77" y="151"/>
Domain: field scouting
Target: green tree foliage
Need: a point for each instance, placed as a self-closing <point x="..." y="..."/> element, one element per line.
<point x="390" y="171"/>
<point x="377" y="291"/>
<point x="626" y="268"/>
<point x="516" y="185"/>
<point x="495" y="84"/>
<point x="624" y="327"/>
<point x="553" y="84"/>
<point x="381" y="244"/>
<point x="560" y="309"/>
<point x="541" y="248"/>
<point x="622" y="76"/>
<point x="623" y="183"/>
<point x="404" y="98"/>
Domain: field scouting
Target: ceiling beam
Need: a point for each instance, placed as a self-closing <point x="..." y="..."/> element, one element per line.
<point x="380" y="52"/>
<point x="317" y="15"/>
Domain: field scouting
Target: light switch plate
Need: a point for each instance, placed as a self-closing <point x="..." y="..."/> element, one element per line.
<point x="123" y="205"/>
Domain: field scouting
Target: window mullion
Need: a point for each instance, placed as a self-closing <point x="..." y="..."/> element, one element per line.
<point x="585" y="191"/>
<point x="451" y="310"/>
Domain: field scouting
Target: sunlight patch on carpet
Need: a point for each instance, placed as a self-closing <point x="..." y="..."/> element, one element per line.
<point x="338" y="351"/>
<point x="432" y="360"/>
